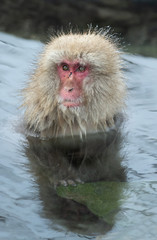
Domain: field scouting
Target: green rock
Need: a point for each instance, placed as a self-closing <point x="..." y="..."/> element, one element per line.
<point x="101" y="198"/>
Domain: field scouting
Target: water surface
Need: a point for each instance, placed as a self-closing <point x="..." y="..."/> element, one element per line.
<point x="29" y="207"/>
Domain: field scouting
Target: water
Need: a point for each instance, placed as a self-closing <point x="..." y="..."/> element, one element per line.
<point x="29" y="207"/>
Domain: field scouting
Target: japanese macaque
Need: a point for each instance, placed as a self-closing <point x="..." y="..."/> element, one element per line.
<point x="77" y="87"/>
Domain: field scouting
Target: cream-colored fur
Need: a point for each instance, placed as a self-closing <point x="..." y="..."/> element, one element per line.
<point x="103" y="90"/>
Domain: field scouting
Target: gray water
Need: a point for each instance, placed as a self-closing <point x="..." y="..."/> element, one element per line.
<point x="24" y="212"/>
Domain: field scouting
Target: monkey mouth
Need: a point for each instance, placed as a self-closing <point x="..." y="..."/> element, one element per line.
<point x="72" y="102"/>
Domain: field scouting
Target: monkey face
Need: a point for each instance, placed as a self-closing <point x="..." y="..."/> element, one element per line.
<point x="72" y="75"/>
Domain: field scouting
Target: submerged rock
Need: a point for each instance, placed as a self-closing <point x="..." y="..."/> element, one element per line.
<point x="101" y="198"/>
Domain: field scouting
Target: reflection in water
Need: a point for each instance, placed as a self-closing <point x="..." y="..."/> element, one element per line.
<point x="68" y="160"/>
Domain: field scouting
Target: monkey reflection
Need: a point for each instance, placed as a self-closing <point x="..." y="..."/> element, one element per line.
<point x="68" y="160"/>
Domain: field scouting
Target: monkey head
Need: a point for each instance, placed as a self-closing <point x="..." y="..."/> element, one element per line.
<point x="77" y="87"/>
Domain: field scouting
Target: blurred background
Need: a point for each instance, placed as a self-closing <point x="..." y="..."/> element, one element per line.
<point x="29" y="205"/>
<point x="134" y="21"/>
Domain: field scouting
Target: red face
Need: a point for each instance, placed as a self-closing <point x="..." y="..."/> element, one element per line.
<point x="72" y="75"/>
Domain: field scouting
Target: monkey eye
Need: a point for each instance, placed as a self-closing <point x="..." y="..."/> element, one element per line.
<point x="81" y="68"/>
<point x="65" y="67"/>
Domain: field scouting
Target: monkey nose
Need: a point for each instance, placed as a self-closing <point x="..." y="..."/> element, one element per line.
<point x="69" y="89"/>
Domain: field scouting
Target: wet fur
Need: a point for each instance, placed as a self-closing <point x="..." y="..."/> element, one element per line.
<point x="103" y="90"/>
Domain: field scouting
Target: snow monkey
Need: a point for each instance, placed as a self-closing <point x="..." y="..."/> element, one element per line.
<point x="77" y="88"/>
